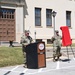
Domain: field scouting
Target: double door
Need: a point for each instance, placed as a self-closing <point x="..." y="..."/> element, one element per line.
<point x="7" y="24"/>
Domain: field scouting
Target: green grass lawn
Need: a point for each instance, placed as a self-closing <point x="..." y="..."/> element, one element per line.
<point x="10" y="56"/>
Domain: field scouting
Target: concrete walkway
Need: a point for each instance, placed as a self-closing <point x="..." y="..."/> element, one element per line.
<point x="62" y="67"/>
<point x="49" y="51"/>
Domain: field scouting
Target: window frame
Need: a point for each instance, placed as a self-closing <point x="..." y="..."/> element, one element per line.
<point x="37" y="16"/>
<point x="68" y="18"/>
<point x="7" y="13"/>
<point x="49" y="17"/>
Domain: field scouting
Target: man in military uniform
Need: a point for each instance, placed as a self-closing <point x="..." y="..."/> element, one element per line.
<point x="56" y="40"/>
<point x="25" y="40"/>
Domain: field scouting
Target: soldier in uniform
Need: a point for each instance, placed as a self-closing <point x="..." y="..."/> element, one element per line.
<point x="56" y="40"/>
<point x="25" y="40"/>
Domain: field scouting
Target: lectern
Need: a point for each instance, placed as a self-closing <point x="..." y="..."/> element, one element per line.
<point x="35" y="55"/>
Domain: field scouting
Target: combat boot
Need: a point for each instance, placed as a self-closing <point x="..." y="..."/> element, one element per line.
<point x="54" y="59"/>
<point x="25" y="66"/>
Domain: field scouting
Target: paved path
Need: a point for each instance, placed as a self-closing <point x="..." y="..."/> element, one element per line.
<point x="62" y="67"/>
<point x="49" y="51"/>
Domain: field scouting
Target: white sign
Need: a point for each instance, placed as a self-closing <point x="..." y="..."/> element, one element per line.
<point x="41" y="46"/>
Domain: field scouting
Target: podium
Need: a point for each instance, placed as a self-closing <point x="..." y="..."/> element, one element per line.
<point x="35" y="55"/>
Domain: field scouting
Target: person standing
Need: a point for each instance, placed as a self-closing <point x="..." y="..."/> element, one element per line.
<point x="56" y="40"/>
<point x="25" y="40"/>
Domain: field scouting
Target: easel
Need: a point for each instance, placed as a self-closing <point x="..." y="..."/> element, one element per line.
<point x="68" y="52"/>
<point x="66" y="39"/>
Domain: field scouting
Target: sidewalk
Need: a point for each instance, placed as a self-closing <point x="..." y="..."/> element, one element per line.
<point x="49" y="52"/>
<point x="52" y="68"/>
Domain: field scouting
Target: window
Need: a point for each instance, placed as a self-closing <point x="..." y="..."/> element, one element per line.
<point x="49" y="41"/>
<point x="48" y="17"/>
<point x="38" y="40"/>
<point x="7" y="13"/>
<point x="37" y="16"/>
<point x="68" y="18"/>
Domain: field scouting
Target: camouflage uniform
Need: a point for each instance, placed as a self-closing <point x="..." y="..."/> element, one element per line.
<point x="56" y="45"/>
<point x="25" y="40"/>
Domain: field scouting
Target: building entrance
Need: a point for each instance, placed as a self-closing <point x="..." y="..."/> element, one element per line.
<point x="7" y="24"/>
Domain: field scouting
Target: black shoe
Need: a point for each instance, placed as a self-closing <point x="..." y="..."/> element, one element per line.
<point x="25" y="66"/>
<point x="56" y="59"/>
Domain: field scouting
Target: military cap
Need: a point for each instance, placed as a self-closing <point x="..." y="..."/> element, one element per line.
<point x="26" y="31"/>
<point x="56" y="31"/>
